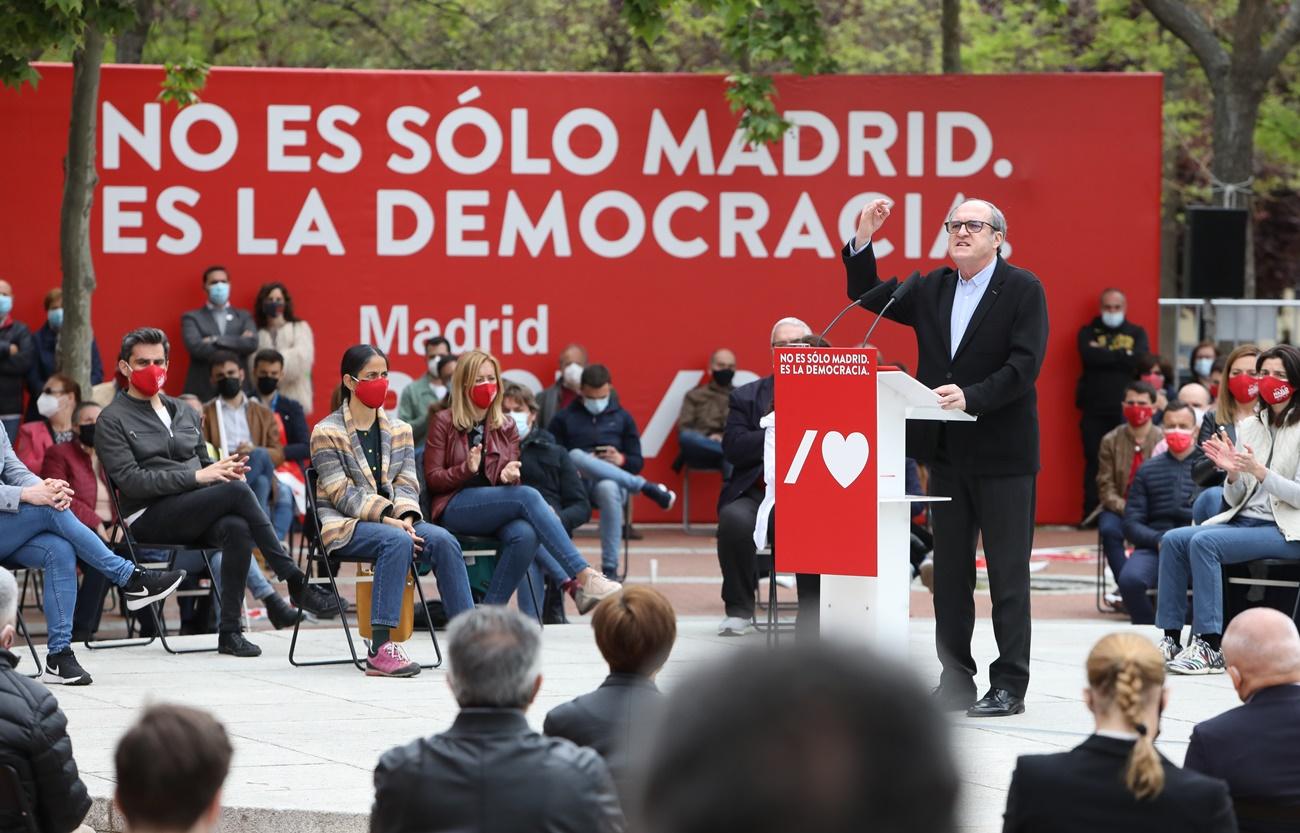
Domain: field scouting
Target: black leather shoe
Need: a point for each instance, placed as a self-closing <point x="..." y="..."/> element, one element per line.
<point x="952" y="699"/>
<point x="997" y="703"/>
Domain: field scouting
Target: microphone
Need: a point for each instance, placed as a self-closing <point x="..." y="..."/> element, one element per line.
<point x="865" y="298"/>
<point x="899" y="294"/>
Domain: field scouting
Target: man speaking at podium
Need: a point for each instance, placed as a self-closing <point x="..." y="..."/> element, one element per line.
<point x="981" y="332"/>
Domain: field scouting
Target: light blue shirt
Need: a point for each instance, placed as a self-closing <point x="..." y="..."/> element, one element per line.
<point x="969" y="293"/>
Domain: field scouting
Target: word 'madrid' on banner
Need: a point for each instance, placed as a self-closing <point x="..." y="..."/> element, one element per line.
<point x="826" y="477"/>
<point x="517" y="213"/>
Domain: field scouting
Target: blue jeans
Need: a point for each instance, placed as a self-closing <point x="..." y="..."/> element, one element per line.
<point x="392" y="551"/>
<point x="608" y="487"/>
<point x="701" y="452"/>
<point x="1139" y="575"/>
<point x="523" y="521"/>
<point x="43" y="538"/>
<point x="1110" y="526"/>
<point x="261" y="477"/>
<point x="1207" y="504"/>
<point x="544" y="565"/>
<point x="1199" y="552"/>
<point x="282" y="512"/>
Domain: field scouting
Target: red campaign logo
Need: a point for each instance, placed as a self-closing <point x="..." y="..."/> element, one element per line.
<point x="845" y="457"/>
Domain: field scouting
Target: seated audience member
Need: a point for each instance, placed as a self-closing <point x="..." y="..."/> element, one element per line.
<point x="281" y="331"/>
<point x="1159" y="374"/>
<point x="268" y="367"/>
<point x="568" y="383"/>
<point x="1196" y="395"/>
<point x="1262" y="519"/>
<point x="743" y="491"/>
<point x="369" y="505"/>
<point x="1216" y="376"/>
<point x="704" y="415"/>
<point x="171" y="492"/>
<point x="546" y="467"/>
<point x="1159" y="500"/>
<point x="1123" y="449"/>
<point x="1238" y="399"/>
<point x="605" y="445"/>
<point x="45" y="361"/>
<point x="817" y="738"/>
<point x="58" y="399"/>
<point x="35" y="742"/>
<point x="1202" y="362"/>
<point x="38" y="533"/>
<point x="490" y="771"/>
<point x="170" y="767"/>
<point x="472" y="466"/>
<point x="1116" y="780"/>
<point x="17" y="354"/>
<point x="413" y="406"/>
<point x="1253" y="747"/>
<point x="635" y="633"/>
<point x="235" y="424"/>
<point x="212" y="328"/>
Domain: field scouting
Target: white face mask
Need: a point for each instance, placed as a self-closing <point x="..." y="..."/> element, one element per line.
<point x="439" y="390"/>
<point x="521" y="423"/>
<point x="572" y="375"/>
<point x="433" y="368"/>
<point x="1112" y="319"/>
<point x="47" y="405"/>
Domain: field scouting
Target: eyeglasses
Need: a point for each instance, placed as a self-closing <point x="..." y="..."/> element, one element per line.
<point x="54" y="392"/>
<point x="973" y="226"/>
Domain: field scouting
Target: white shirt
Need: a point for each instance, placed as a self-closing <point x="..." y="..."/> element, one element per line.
<point x="969" y="293"/>
<point x="234" y="425"/>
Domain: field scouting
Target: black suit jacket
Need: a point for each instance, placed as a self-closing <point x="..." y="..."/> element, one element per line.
<point x="1255" y="748"/>
<point x="995" y="365"/>
<point x="297" y="439"/>
<point x="1083" y="790"/>
<point x="742" y="439"/>
<point x="196" y="326"/>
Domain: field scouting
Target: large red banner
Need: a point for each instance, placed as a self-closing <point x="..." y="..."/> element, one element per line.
<point x="521" y="212"/>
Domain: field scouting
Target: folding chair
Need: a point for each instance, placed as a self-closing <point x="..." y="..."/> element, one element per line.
<point x="774" y="626"/>
<point x="1264" y="573"/>
<point x="686" y="499"/>
<point x="27" y="637"/>
<point x="316" y="552"/>
<point x="124" y="544"/>
<point x="482" y="555"/>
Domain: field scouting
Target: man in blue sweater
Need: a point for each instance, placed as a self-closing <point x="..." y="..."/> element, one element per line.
<point x="605" y="446"/>
<point x="1159" y="499"/>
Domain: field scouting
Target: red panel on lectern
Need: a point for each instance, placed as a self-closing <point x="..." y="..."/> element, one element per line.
<point x="826" y="461"/>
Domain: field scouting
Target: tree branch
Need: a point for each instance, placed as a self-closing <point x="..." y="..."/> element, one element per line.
<point x="377" y="28"/>
<point x="1288" y="35"/>
<point x="1191" y="29"/>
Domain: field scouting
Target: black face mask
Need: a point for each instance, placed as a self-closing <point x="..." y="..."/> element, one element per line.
<point x="271" y="308"/>
<point x="724" y="377"/>
<point x="87" y="434"/>
<point x="228" y="387"/>
<point x="266" y="385"/>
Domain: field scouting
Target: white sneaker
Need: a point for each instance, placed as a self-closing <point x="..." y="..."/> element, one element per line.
<point x="1197" y="658"/>
<point x="1169" y="648"/>
<point x="735" y="626"/>
<point x="597" y="589"/>
<point x="927" y="573"/>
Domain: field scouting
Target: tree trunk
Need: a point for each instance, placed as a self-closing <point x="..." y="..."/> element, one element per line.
<point x="131" y="40"/>
<point x="950" y="26"/>
<point x="1236" y="109"/>
<point x="79" y="184"/>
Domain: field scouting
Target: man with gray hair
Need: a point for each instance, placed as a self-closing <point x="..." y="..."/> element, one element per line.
<point x="1253" y="747"/>
<point x="34" y="736"/>
<point x="491" y="771"/>
<point x="743" y="490"/>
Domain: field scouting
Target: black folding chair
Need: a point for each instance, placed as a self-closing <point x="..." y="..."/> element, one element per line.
<point x="27" y="637"/>
<point x="316" y="552"/>
<point x="124" y="544"/>
<point x="14" y="801"/>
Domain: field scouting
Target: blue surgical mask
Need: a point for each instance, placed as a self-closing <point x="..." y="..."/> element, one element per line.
<point x="1112" y="319"/>
<point x="6" y="304"/>
<point x="595" y="406"/>
<point x="55" y="317"/>
<point x="1203" y="367"/>
<point x="219" y="293"/>
<point x="521" y="423"/>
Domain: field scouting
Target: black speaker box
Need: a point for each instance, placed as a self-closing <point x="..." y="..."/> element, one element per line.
<point x="1214" y="259"/>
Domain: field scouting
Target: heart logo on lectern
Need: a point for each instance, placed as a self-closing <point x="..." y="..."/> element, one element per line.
<point x="845" y="457"/>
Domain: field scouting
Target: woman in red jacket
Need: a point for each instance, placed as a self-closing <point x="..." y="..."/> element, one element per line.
<point x="471" y="464"/>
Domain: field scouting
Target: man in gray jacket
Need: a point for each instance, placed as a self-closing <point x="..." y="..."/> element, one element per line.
<point x="490" y="771"/>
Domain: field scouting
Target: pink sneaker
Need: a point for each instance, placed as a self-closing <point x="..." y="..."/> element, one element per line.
<point x="391" y="661"/>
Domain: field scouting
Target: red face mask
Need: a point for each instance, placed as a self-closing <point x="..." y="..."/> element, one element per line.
<point x="1274" y="391"/>
<point x="1155" y="380"/>
<point x="372" y="392"/>
<point x="482" y="394"/>
<point x="1214" y="391"/>
<point x="149" y="379"/>
<point x="1243" y="387"/>
<point x="1137" y="415"/>
<point x="1179" y="441"/>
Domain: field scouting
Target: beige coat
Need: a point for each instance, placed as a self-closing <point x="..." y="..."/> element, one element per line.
<point x="295" y="342"/>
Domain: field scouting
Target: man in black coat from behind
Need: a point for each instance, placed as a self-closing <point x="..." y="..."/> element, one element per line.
<point x="981" y="335"/>
<point x="34" y="737"/>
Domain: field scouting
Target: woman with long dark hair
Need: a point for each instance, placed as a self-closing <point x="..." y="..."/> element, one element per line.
<point x="368" y="499"/>
<point x="280" y="329"/>
<point x="471" y="463"/>
<point x="1262" y="519"/>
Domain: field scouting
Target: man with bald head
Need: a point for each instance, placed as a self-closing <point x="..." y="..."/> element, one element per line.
<point x="1198" y="397"/>
<point x="704" y="415"/>
<point x="1256" y="746"/>
<point x="981" y="335"/>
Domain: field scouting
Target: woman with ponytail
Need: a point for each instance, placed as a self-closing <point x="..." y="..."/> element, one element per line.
<point x="368" y="500"/>
<point x="1116" y="780"/>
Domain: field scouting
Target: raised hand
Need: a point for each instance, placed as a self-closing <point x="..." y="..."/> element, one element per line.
<point x="870" y="219"/>
<point x="475" y="458"/>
